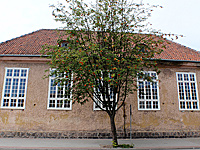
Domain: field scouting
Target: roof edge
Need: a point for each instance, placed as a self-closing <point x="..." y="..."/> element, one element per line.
<point x="193" y="61"/>
<point x="18" y="55"/>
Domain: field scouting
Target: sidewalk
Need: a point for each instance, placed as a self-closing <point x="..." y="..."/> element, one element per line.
<point x="70" y="144"/>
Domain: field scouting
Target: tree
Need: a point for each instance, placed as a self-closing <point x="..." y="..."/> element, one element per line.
<point x="109" y="44"/>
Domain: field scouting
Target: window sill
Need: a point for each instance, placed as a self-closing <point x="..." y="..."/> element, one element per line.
<point x="59" y="108"/>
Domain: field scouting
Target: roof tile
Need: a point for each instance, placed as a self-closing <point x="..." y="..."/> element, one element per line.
<point x="31" y="44"/>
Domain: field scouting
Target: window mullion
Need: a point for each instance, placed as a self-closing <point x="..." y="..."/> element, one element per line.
<point x="151" y="94"/>
<point x="56" y="97"/>
<point x="12" y="78"/>
<point x="17" y="98"/>
<point x="191" y="99"/>
<point x="145" y="96"/>
<point x="63" y="103"/>
<point x="184" y="92"/>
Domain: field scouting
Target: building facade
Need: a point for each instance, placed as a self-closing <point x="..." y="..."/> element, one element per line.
<point x="31" y="106"/>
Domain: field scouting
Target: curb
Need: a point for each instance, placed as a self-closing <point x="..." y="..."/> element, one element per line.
<point x="167" y="147"/>
<point x="95" y="148"/>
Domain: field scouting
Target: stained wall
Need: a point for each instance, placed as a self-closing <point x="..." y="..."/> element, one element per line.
<point x="37" y="118"/>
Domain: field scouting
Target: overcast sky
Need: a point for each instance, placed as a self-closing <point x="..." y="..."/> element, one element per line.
<point x="19" y="17"/>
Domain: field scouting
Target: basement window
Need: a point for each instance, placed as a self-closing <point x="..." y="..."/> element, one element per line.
<point x="14" y="89"/>
<point x="187" y="91"/>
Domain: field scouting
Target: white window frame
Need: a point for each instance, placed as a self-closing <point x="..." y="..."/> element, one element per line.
<point x="16" y="91"/>
<point x="100" y="104"/>
<point x="145" y="100"/>
<point x="191" y="98"/>
<point x="95" y="107"/>
<point x="56" y="99"/>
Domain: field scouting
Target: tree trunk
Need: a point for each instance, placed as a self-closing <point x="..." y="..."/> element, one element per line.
<point x="113" y="129"/>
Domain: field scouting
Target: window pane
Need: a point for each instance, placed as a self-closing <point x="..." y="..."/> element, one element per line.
<point x="60" y="91"/>
<point x="14" y="87"/>
<point x="23" y="73"/>
<point x="141" y="90"/>
<point x="182" y="105"/>
<point x="13" y="103"/>
<point x="189" y="105"/>
<point x="9" y="72"/>
<point x="186" y="78"/>
<point x="5" y="102"/>
<point x="142" y="105"/>
<point x="52" y="103"/>
<point x="153" y="75"/>
<point x="16" y="72"/>
<point x="148" y="90"/>
<point x="148" y="104"/>
<point x="67" y="90"/>
<point x="155" y="104"/>
<point x="7" y="88"/>
<point x="59" y="103"/>
<point x="195" y="106"/>
<point x="22" y="87"/>
<point x="20" y="103"/>
<point x="187" y="91"/>
<point x="154" y="90"/>
<point x="66" y="104"/>
<point x="181" y="91"/>
<point x="180" y="77"/>
<point x="193" y="89"/>
<point x="52" y="89"/>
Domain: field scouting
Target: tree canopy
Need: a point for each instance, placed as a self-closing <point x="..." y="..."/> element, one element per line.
<point x="107" y="46"/>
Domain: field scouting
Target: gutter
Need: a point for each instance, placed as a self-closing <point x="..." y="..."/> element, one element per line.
<point x="18" y="55"/>
<point x="180" y="60"/>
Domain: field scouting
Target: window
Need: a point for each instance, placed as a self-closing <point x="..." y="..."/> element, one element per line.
<point x="111" y="93"/>
<point x="148" y="92"/>
<point x="105" y="103"/>
<point x="64" y="44"/>
<point x="142" y="48"/>
<point x="14" y="89"/>
<point x="187" y="91"/>
<point x="58" y="97"/>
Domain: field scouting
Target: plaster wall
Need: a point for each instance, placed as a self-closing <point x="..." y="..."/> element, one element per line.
<point x="36" y="116"/>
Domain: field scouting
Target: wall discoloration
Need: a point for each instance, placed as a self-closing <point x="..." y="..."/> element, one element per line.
<point x="191" y="120"/>
<point x="4" y="118"/>
<point x="19" y="120"/>
<point x="36" y="117"/>
<point x="150" y="121"/>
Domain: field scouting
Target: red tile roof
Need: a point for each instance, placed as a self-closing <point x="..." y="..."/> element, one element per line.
<point x="30" y="44"/>
<point x="175" y="51"/>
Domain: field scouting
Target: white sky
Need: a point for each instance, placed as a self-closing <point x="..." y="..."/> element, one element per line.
<point x="19" y="17"/>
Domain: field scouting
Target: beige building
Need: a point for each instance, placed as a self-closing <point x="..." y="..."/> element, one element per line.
<point x="32" y="107"/>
